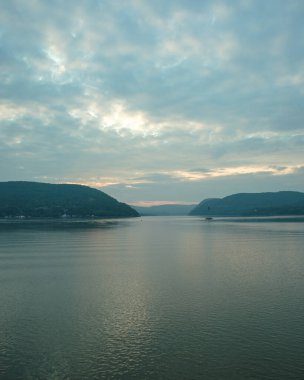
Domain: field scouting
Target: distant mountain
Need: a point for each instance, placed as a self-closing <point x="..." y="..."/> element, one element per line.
<point x="36" y="199"/>
<point x="253" y="204"/>
<point x="164" y="210"/>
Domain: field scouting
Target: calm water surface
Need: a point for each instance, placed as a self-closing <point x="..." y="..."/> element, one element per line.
<point x="157" y="298"/>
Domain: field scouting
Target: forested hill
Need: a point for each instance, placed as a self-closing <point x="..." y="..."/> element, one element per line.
<point x="253" y="204"/>
<point x="34" y="199"/>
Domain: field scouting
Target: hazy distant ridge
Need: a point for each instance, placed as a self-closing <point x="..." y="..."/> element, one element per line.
<point x="164" y="210"/>
<point x="250" y="204"/>
<point x="36" y="199"/>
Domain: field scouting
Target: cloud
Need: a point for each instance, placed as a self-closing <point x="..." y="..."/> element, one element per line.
<point x="135" y="95"/>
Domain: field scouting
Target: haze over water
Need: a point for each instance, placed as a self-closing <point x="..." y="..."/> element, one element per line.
<point x="152" y="298"/>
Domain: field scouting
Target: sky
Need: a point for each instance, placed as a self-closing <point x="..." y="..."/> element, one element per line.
<point x="153" y="101"/>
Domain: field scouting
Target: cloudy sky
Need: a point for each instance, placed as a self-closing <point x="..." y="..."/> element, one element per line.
<point x="152" y="100"/>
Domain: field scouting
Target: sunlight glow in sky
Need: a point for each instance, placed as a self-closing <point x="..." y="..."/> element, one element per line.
<point x="153" y="101"/>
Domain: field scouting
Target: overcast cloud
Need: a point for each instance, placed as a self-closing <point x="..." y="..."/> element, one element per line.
<point x="153" y="100"/>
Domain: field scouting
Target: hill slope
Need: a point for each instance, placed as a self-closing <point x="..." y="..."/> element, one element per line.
<point x="51" y="200"/>
<point x="250" y="204"/>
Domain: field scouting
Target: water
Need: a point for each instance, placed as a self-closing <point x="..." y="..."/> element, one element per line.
<point x="157" y="298"/>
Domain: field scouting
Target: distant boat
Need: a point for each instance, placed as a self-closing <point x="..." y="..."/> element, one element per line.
<point x="208" y="218"/>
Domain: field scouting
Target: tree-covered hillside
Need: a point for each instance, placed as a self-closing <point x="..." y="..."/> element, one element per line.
<point x="253" y="204"/>
<point x="34" y="199"/>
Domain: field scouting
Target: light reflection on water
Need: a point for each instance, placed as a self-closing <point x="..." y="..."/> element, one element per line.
<point x="169" y="298"/>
